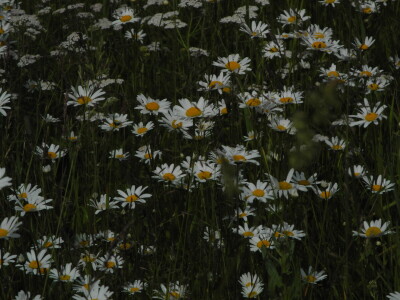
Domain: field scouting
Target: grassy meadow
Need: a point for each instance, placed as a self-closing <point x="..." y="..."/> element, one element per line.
<point x="199" y="149"/>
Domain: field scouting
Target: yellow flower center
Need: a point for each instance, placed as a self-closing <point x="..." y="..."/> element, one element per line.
<point x="72" y="138"/>
<point x="325" y="194"/>
<point x="291" y="19"/>
<point x="175" y="294"/>
<point x="333" y="74"/>
<point x="248" y="233"/>
<point x="252" y="294"/>
<point x="263" y="243"/>
<point x="131" y="198"/>
<point x="254" y="33"/>
<point x="124" y="19"/>
<point x="371" y="117"/>
<point x="318" y="45"/>
<point x="65" y="277"/>
<point x="47" y="244"/>
<point x="283" y="185"/>
<point x="169" y="177"/>
<point x="239" y="158"/>
<point x="373" y="86"/>
<point x="84" y="243"/>
<point x="288" y="233"/>
<point x="141" y="130"/>
<point x="356" y="174"/>
<point x="3" y="232"/>
<point x="281" y="127"/>
<point x="319" y="35"/>
<point x="303" y="182"/>
<point x="376" y="187"/>
<point x="286" y="100"/>
<point x="152" y="106"/>
<point x="23" y="195"/>
<point x="134" y="290"/>
<point x="373" y="232"/>
<point x="273" y="49"/>
<point x="337" y="147"/>
<point x="148" y="156"/>
<point x="226" y="90"/>
<point x="253" y="102"/>
<point x="215" y="84"/>
<point x="367" y="10"/>
<point x="84" y="100"/>
<point x="176" y="125"/>
<point x="330" y="1"/>
<point x="193" y="112"/>
<point x="258" y="193"/>
<point x="51" y="155"/>
<point x="366" y="73"/>
<point x="29" y="207"/>
<point x="34" y="264"/>
<point x="224" y="111"/>
<point x="232" y="66"/>
<point x="242" y="215"/>
<point x="310" y="278"/>
<point x="204" y="175"/>
<point x="119" y="156"/>
<point x="125" y="246"/>
<point x="364" y="47"/>
<point x="86" y="286"/>
<point x="110" y="264"/>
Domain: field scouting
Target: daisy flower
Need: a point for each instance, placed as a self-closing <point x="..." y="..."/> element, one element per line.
<point x="259" y="191"/>
<point x="247" y="231"/>
<point x="368" y="114"/>
<point x="51" y="152"/>
<point x="131" y="196"/>
<point x="109" y="264"/>
<point x="261" y="241"/>
<point x="366" y="72"/>
<point x="152" y="106"/>
<point x="205" y="171"/>
<point x="168" y="173"/>
<point x="379" y="185"/>
<point x="174" y="291"/>
<point x="394" y="296"/>
<point x="66" y="274"/>
<point x="85" y="96"/>
<point x="282" y="125"/>
<point x="292" y="17"/>
<point x="312" y="277"/>
<point x="4" y="99"/>
<point x="332" y="74"/>
<point x="213" y="237"/>
<point x="119" y="154"/>
<point x="357" y="171"/>
<point x="274" y="49"/>
<point x="102" y="204"/>
<point x="336" y="144"/>
<point x="8" y="228"/>
<point x="6" y="258"/>
<point x="239" y="154"/>
<point x="83" y="240"/>
<point x="4" y="180"/>
<point x="251" y="285"/>
<point x="303" y="183"/>
<point x="190" y="110"/>
<point x="175" y="122"/>
<point x="285" y="187"/>
<point x="37" y="263"/>
<point x="257" y="30"/>
<point x="251" y="100"/>
<point x="124" y="15"/>
<point x="22" y="295"/>
<point x="141" y="129"/>
<point x="327" y="192"/>
<point x="394" y="59"/>
<point x="32" y="204"/>
<point x="286" y="230"/>
<point x="145" y="154"/>
<point x="214" y="82"/>
<point x="84" y="283"/>
<point x="324" y="45"/>
<point x="134" y="288"/>
<point x="289" y="96"/>
<point x="114" y="122"/>
<point x="233" y="64"/>
<point x="374" y="229"/>
<point x="243" y="214"/>
<point x="135" y="35"/>
<point x="377" y="84"/>
<point x="88" y="259"/>
<point x="329" y="2"/>
<point x="50" y="242"/>
<point x="96" y="291"/>
<point x="72" y="137"/>
<point x="365" y="45"/>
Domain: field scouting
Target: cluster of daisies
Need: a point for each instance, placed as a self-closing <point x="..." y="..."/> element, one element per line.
<point x="224" y="95"/>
